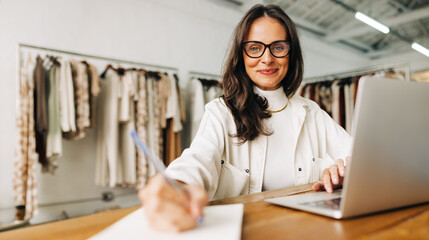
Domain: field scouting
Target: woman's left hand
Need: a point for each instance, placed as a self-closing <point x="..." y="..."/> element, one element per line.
<point x="332" y="178"/>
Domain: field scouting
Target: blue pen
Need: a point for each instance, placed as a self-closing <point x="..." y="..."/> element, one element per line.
<point x="158" y="164"/>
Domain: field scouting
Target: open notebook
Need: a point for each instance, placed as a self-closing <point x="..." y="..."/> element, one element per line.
<point x="220" y="222"/>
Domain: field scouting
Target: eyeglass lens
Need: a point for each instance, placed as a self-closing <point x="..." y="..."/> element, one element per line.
<point x="257" y="49"/>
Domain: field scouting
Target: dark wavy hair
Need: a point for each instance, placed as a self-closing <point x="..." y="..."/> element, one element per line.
<point x="248" y="108"/>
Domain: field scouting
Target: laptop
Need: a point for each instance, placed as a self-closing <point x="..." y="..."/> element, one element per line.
<point x="389" y="165"/>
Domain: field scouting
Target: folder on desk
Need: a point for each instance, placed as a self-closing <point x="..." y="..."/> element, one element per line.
<point x="220" y="222"/>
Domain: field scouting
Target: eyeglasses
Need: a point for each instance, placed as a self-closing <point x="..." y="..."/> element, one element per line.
<point x="255" y="49"/>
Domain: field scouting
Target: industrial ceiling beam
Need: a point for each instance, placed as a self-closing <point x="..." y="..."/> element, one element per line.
<point x="303" y="24"/>
<point x="391" y="22"/>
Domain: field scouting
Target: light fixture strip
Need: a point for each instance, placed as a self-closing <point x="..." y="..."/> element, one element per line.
<point x="420" y="48"/>
<point x="382" y="28"/>
<point x="371" y="22"/>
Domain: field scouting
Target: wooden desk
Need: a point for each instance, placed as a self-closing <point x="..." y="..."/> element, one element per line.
<point x="261" y="221"/>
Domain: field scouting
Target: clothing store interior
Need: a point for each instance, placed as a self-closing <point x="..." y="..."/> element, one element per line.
<point x="80" y="75"/>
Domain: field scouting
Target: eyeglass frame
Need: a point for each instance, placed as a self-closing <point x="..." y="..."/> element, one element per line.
<point x="265" y="48"/>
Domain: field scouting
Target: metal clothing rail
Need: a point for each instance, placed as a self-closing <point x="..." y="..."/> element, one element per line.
<point x="22" y="45"/>
<point x="91" y="199"/>
<point x="368" y="70"/>
<point x="204" y="75"/>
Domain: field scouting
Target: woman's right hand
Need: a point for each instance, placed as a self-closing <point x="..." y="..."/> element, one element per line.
<point x="333" y="177"/>
<point x="169" y="209"/>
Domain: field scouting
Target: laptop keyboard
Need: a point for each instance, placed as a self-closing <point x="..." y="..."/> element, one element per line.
<point x="330" y="203"/>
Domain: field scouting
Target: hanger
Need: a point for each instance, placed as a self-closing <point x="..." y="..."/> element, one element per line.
<point x="103" y="74"/>
<point x="176" y="77"/>
<point x="119" y="70"/>
<point x="140" y="70"/>
<point x="153" y="74"/>
<point x="210" y="82"/>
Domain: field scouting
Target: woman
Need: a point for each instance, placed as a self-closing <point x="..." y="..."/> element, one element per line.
<point x="259" y="135"/>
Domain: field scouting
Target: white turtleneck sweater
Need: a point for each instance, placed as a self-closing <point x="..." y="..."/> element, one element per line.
<point x="279" y="165"/>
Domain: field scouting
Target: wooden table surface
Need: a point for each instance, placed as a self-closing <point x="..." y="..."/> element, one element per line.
<point x="261" y="221"/>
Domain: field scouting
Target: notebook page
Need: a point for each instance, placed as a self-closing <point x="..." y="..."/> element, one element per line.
<point x="220" y="222"/>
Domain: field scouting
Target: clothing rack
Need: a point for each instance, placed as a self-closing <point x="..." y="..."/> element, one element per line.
<point x="368" y="70"/>
<point x="21" y="46"/>
<point x="204" y="75"/>
<point x="115" y="60"/>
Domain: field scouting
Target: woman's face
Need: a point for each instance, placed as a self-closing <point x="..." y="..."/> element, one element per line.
<point x="267" y="71"/>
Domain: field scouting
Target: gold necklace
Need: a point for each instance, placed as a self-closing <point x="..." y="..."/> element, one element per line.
<point x="280" y="109"/>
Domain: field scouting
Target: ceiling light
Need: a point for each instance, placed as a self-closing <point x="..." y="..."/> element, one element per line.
<point x="371" y="22"/>
<point x="420" y="48"/>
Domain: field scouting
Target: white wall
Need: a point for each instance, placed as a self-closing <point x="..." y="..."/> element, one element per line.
<point x="321" y="59"/>
<point x="190" y="35"/>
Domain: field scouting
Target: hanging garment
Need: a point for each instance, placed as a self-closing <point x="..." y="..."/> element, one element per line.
<point x="347" y="109"/>
<point x="172" y="143"/>
<point x="306" y="91"/>
<point x="356" y="88"/>
<point x="66" y="98"/>
<point x="342" y="108"/>
<point x="311" y="92"/>
<point x="301" y="89"/>
<point x="40" y="111"/>
<point x="107" y="131"/>
<point x="157" y="140"/>
<point x="172" y="100"/>
<point x="196" y="106"/>
<point x="127" y="150"/>
<point x="152" y="129"/>
<point x="349" y="97"/>
<point x="325" y="97"/>
<point x="164" y="91"/>
<point x="81" y="95"/>
<point x="212" y="89"/>
<point x="316" y="90"/>
<point x="181" y="104"/>
<point x="157" y="95"/>
<point x="126" y="92"/>
<point x="142" y="128"/>
<point x="201" y="91"/>
<point x="211" y="92"/>
<point x="335" y="88"/>
<point x="163" y="95"/>
<point x="94" y="90"/>
<point x="177" y="142"/>
<point x="180" y="115"/>
<point x="54" y="137"/>
<point x="24" y="180"/>
<point x="173" y="104"/>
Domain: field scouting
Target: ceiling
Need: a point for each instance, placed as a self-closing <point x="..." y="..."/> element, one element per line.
<point x="333" y="22"/>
